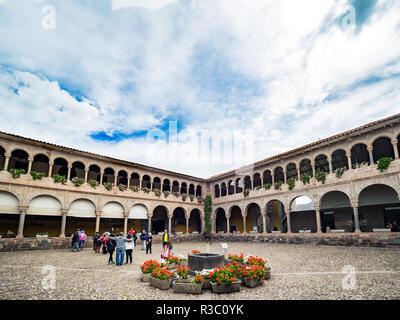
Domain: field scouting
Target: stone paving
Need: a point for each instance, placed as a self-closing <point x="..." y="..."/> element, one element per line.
<point x="298" y="272"/>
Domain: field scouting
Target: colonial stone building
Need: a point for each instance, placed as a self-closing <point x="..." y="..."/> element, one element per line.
<point x="330" y="186"/>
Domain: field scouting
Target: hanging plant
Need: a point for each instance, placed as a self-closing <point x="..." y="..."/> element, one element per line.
<point x="291" y="182"/>
<point x="122" y="187"/>
<point x="267" y="186"/>
<point x="207" y="215"/>
<point x="305" y="177"/>
<point x="166" y="194"/>
<point x="383" y="163"/>
<point x="60" y="179"/>
<point x="146" y="190"/>
<point x="246" y="192"/>
<point x="191" y="197"/>
<point x="320" y="176"/>
<point x="359" y="165"/>
<point x="278" y="185"/>
<point x="184" y="196"/>
<point x="16" y="173"/>
<point x="77" y="181"/>
<point x="108" y="185"/>
<point x="37" y="175"/>
<point x="339" y="172"/>
<point x="258" y="188"/>
<point x="199" y="199"/>
<point x="134" y="188"/>
<point x="157" y="192"/>
<point x="93" y="183"/>
<point x="176" y="194"/>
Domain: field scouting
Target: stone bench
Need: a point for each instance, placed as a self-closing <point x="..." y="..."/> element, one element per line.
<point x="381" y="230"/>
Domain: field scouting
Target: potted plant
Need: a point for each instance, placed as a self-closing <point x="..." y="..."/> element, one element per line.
<point x="267" y="186"/>
<point x="183" y="261"/>
<point x="258" y="188"/>
<point x="194" y="252"/>
<point x="278" y="185"/>
<point x="253" y="275"/>
<point x="146" y="190"/>
<point x="148" y="267"/>
<point x="320" y="176"/>
<point x="223" y="281"/>
<point x="122" y="187"/>
<point x="305" y="177"/>
<point x="383" y="163"/>
<point x="16" y="173"/>
<point x="42" y="235"/>
<point x="108" y="185"/>
<point x="339" y="172"/>
<point x="184" y="196"/>
<point x="37" y="175"/>
<point x="157" y="192"/>
<point x="93" y="183"/>
<point x="193" y="286"/>
<point x="191" y="197"/>
<point x="77" y="181"/>
<point x="235" y="257"/>
<point x="173" y="262"/>
<point x="160" y="278"/>
<point x="199" y="199"/>
<point x="60" y="179"/>
<point x="134" y="188"/>
<point x="246" y="192"/>
<point x="206" y="278"/>
<point x="291" y="182"/>
<point x="166" y="194"/>
<point x="176" y="194"/>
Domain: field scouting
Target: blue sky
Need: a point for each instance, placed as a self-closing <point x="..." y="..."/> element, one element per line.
<point x="270" y="75"/>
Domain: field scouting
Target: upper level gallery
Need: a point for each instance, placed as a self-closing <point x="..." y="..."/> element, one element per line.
<point x="349" y="156"/>
<point x="52" y="166"/>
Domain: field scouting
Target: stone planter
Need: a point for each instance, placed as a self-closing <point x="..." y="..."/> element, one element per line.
<point x="160" y="284"/>
<point x="252" y="283"/>
<point x="172" y="280"/>
<point x="146" y="277"/>
<point x="184" y="286"/>
<point x="172" y="266"/>
<point x="207" y="284"/>
<point x="225" y="288"/>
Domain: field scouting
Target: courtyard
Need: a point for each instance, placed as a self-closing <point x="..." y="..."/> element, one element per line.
<point x="305" y="272"/>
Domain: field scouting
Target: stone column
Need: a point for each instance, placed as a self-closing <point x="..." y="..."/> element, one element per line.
<point x="63" y="222"/>
<point x="264" y="214"/>
<point x="318" y="218"/>
<point x="313" y="167"/>
<point x="298" y="173"/>
<point x="51" y="163"/>
<point x="86" y="175"/>
<point x="187" y="225"/>
<point x="7" y="161"/>
<point x="357" y="229"/>
<point x="395" y="149"/>
<point x="227" y="223"/>
<point x="126" y="224"/>
<point x="115" y="180"/>
<point x="98" y="215"/>
<point x="169" y="224"/>
<point x="284" y="176"/>
<point x="348" y="154"/>
<point x="149" y="224"/>
<point x="244" y="223"/>
<point x="371" y="154"/>
<point x="69" y="172"/>
<point x="30" y="165"/>
<point x="273" y="178"/>
<point x="22" y="213"/>
<point x="129" y="181"/>
<point x="289" y="228"/>
<point x="330" y="164"/>
<point x="101" y="177"/>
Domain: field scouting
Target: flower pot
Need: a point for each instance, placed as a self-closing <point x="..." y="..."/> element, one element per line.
<point x="207" y="284"/>
<point x="146" y="277"/>
<point x="184" y="286"/>
<point x="226" y="288"/>
<point x="160" y="284"/>
<point x="268" y="274"/>
<point x="251" y="283"/>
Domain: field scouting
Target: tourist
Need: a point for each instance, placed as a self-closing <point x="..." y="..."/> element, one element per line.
<point x="103" y="243"/>
<point x="168" y="251"/>
<point x="75" y="241"/>
<point x="96" y="238"/>
<point x="112" y="233"/>
<point x="120" y="245"/>
<point x="129" y="245"/>
<point x="109" y="244"/>
<point x="165" y="238"/>
<point x="395" y="226"/>
<point x="82" y="239"/>
<point x="149" y="242"/>
<point x="143" y="237"/>
<point x="134" y="236"/>
<point x="130" y="232"/>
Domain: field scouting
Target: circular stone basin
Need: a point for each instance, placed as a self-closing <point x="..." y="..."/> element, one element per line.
<point x="200" y="261"/>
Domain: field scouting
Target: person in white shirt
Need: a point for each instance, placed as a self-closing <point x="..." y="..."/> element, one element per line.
<point x="128" y="249"/>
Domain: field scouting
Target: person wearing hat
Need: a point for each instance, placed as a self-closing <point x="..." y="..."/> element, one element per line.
<point x="120" y="247"/>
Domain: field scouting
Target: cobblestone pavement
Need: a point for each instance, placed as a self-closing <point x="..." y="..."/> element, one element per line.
<point x="298" y="272"/>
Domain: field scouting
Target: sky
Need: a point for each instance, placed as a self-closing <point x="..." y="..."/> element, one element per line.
<point x="196" y="86"/>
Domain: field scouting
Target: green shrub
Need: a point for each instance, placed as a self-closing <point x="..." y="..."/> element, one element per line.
<point x="59" y="179"/>
<point x="339" y="172"/>
<point x="278" y="185"/>
<point x="93" y="183"/>
<point x="267" y="186"/>
<point x="383" y="163"/>
<point x="108" y="185"/>
<point x="122" y="187"/>
<point x="16" y="173"/>
<point x="246" y="192"/>
<point x="291" y="183"/>
<point x="320" y="176"/>
<point x="78" y="181"/>
<point x="37" y="175"/>
<point x="305" y="177"/>
<point x="207" y="213"/>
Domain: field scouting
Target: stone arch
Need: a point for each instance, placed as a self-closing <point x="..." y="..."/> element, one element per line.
<point x="306" y="167"/>
<point x="359" y="154"/>
<point x="247" y="182"/>
<point x="267" y="177"/>
<point x="122" y="177"/>
<point x="82" y="208"/>
<point x="279" y="175"/>
<point x="183" y="188"/>
<point x="195" y="221"/>
<point x="257" y="180"/>
<point x="378" y="207"/>
<point x="175" y="186"/>
<point x="159" y="219"/>
<point x="78" y="170"/>
<point x="135" y="179"/>
<point x="113" y="210"/>
<point x="231" y="187"/>
<point x="191" y="189"/>
<point x="178" y="220"/>
<point x="339" y="159"/>
<point x="60" y="167"/>
<point x="2" y="156"/>
<point x="254" y="219"/>
<point x="382" y="147"/>
<point x="302" y="214"/>
<point x="235" y="219"/>
<point x="109" y="175"/>
<point x="166" y="185"/>
<point x="321" y="163"/>
<point x="94" y="172"/>
<point x="239" y="185"/>
<point x="223" y="189"/>
<point x="9" y="202"/>
<point x="41" y="163"/>
<point x="44" y="204"/>
<point x="199" y="191"/>
<point x="336" y="212"/>
<point x="291" y="171"/>
<point x="220" y="220"/>
<point x="276" y="216"/>
<point x="19" y="160"/>
<point x="216" y="191"/>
